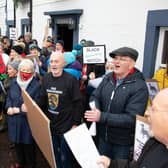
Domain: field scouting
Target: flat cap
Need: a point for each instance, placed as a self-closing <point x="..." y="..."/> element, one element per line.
<point x="125" y="51"/>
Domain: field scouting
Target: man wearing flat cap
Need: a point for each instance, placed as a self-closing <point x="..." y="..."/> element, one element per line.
<point x="121" y="96"/>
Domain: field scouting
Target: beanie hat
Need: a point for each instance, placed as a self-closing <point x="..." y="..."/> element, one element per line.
<point x="18" y="49"/>
<point x="75" y="52"/>
<point x="69" y="57"/>
<point x="77" y="47"/>
<point x="14" y="64"/>
<point x="125" y="51"/>
<point x="60" y="42"/>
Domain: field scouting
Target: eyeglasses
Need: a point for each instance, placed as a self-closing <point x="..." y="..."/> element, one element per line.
<point x="122" y="59"/>
<point x="152" y="110"/>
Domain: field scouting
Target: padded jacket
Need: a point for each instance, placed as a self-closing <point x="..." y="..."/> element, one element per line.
<point x="119" y="106"/>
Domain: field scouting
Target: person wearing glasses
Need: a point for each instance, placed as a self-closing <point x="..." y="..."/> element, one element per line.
<point x="155" y="151"/>
<point x="118" y="99"/>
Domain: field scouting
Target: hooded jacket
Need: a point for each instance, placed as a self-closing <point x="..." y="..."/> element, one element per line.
<point x="119" y="106"/>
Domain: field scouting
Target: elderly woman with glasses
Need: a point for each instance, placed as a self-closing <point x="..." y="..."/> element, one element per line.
<point x="155" y="151"/>
<point x="18" y="128"/>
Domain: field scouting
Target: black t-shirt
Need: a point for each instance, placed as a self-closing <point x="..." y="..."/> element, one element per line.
<point x="61" y="101"/>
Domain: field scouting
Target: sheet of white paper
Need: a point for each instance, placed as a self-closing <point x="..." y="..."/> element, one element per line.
<point x="83" y="147"/>
<point x="141" y="136"/>
<point x="95" y="82"/>
<point x="92" y="129"/>
<point x="92" y="104"/>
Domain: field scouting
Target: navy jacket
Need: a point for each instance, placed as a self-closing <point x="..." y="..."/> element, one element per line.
<point x="154" y="155"/>
<point x="119" y="106"/>
<point x="18" y="127"/>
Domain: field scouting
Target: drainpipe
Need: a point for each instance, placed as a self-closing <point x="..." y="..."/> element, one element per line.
<point x="14" y="14"/>
<point x="6" y="16"/>
<point x="31" y="14"/>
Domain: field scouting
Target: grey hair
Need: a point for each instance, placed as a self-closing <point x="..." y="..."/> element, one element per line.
<point x="27" y="63"/>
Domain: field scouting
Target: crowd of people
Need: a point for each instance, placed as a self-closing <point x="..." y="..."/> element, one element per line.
<point x="62" y="85"/>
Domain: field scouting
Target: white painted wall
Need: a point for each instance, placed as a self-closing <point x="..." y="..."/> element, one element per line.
<point x="10" y="14"/>
<point x="21" y="13"/>
<point x="113" y="23"/>
<point x="2" y="17"/>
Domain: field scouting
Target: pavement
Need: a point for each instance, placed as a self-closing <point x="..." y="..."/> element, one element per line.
<point x="7" y="154"/>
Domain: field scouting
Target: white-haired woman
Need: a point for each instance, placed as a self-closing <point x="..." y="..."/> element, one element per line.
<point x="18" y="128"/>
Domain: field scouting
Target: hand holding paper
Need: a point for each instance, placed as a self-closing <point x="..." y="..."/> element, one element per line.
<point x="92" y="129"/>
<point x="92" y="115"/>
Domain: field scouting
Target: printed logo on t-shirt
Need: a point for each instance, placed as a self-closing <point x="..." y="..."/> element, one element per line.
<point x="53" y="100"/>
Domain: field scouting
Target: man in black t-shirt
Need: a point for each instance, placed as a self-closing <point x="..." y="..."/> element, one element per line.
<point x="61" y="101"/>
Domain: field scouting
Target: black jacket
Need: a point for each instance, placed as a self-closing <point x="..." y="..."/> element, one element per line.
<point x="154" y="155"/>
<point x="119" y="106"/>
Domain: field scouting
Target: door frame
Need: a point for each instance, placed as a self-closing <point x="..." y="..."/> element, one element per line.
<point x="73" y="14"/>
<point x="155" y="20"/>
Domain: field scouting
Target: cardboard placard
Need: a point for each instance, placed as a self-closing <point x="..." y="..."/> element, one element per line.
<point x="40" y="127"/>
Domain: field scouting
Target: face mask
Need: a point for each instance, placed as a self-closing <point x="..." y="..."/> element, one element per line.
<point x="108" y="71"/>
<point x="25" y="76"/>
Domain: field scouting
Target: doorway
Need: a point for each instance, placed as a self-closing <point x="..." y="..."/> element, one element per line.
<point x="65" y="26"/>
<point x="65" y="33"/>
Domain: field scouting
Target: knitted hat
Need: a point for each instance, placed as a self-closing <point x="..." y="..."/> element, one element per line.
<point x="17" y="49"/>
<point x="69" y="57"/>
<point x="77" y="47"/>
<point x="14" y="64"/>
<point x="125" y="51"/>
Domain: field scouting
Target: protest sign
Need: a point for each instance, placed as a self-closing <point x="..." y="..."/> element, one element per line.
<point x="40" y="127"/>
<point x="13" y="33"/>
<point x="141" y="135"/>
<point x="94" y="54"/>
